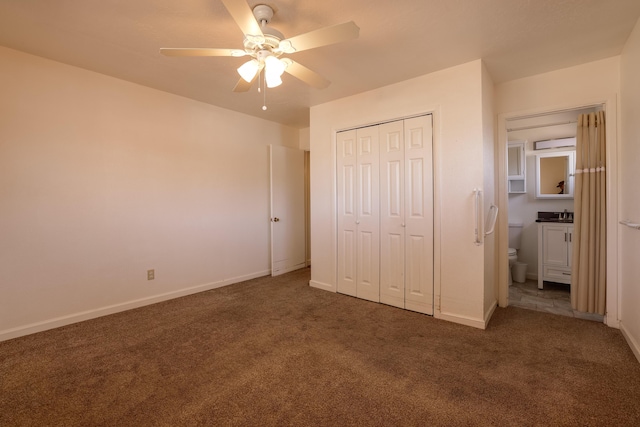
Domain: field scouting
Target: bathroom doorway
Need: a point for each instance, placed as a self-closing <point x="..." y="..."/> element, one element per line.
<point x="522" y="204"/>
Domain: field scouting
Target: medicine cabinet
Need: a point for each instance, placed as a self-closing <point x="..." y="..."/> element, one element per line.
<point x="516" y="167"/>
<point x="554" y="175"/>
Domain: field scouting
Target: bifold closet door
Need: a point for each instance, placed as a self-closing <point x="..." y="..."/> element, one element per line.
<point x="392" y="227"/>
<point x="418" y="146"/>
<point x="406" y="214"/>
<point x="358" y="213"/>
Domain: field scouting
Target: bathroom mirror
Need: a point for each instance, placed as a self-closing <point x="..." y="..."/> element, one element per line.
<point x="554" y="175"/>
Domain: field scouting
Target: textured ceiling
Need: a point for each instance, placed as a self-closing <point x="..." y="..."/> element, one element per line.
<point x="398" y="40"/>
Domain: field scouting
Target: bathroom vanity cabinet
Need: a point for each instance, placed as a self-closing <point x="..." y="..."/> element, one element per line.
<point x="554" y="252"/>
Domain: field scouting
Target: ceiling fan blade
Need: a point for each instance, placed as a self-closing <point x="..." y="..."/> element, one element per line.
<point x="200" y="52"/>
<point x="243" y="15"/>
<point x="243" y="85"/>
<point x="306" y="75"/>
<point x="325" y="36"/>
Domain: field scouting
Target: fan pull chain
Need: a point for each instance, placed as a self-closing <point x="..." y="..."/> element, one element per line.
<point x="264" y="94"/>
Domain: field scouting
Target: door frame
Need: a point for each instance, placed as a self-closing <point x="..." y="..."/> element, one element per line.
<point x="610" y="107"/>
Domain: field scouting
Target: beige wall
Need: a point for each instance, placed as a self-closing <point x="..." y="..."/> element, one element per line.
<point x="584" y="85"/>
<point x="101" y="180"/>
<point x="455" y="97"/>
<point x="305" y="139"/>
<point x="490" y="247"/>
<point x="560" y="89"/>
<point x="629" y="196"/>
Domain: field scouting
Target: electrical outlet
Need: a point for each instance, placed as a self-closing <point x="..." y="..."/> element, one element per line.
<point x="151" y="274"/>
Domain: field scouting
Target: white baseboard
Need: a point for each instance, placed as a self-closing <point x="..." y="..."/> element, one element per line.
<point x="611" y="322"/>
<point x="323" y="286"/>
<point x="57" y="322"/>
<point x="489" y="313"/>
<point x="288" y="269"/>
<point x="635" y="347"/>
<point x="462" y="320"/>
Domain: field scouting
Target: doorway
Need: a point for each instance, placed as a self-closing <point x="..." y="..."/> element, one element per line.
<point x="522" y="206"/>
<point x="288" y="207"/>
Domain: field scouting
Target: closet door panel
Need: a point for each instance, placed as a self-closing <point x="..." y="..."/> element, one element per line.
<point x="392" y="206"/>
<point x="419" y="214"/>
<point x="367" y="272"/>
<point x="347" y="214"/>
<point x="367" y="214"/>
<point x="419" y="288"/>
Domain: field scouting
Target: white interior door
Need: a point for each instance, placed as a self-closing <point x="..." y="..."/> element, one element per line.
<point x="287" y="209"/>
<point x="392" y="227"/>
<point x="418" y="159"/>
<point x="358" y="213"/>
<point x="346" y="182"/>
<point x="368" y="217"/>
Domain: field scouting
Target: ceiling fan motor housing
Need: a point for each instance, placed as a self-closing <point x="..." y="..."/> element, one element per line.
<point x="272" y="37"/>
<point x="262" y="12"/>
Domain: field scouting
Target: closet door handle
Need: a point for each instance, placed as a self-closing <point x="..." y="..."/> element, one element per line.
<point x="402" y="225"/>
<point x="357" y="222"/>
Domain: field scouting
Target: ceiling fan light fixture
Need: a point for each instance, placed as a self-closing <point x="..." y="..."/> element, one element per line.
<point x="272" y="80"/>
<point x="274" y="68"/>
<point x="248" y="70"/>
<point x="274" y="65"/>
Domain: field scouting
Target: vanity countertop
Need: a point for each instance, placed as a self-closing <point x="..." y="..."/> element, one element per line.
<point x="562" y="217"/>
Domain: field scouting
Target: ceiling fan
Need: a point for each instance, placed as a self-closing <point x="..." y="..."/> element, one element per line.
<point x="265" y="45"/>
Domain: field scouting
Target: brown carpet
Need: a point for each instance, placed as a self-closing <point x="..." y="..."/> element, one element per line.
<point x="273" y="351"/>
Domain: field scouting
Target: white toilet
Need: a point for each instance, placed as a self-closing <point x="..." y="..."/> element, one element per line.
<point x="515" y="235"/>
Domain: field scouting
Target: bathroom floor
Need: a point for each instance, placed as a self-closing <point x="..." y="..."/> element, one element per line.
<point x="554" y="298"/>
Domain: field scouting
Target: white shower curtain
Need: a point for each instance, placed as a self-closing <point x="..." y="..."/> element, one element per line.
<point x="588" y="271"/>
